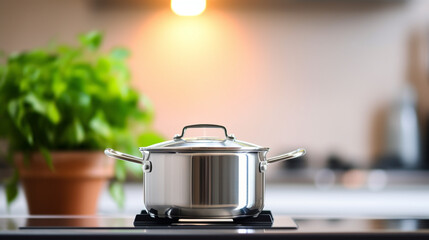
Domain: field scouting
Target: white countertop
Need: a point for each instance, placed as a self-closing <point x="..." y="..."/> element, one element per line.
<point x="293" y="200"/>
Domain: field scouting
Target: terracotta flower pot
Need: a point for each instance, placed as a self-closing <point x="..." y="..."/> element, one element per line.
<point x="72" y="188"/>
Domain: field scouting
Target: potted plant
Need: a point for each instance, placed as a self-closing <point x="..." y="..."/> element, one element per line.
<point x="59" y="107"/>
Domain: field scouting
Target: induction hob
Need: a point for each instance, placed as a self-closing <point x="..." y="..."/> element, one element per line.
<point x="265" y="220"/>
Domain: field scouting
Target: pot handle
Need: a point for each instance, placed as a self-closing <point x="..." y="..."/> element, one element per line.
<point x="287" y="156"/>
<point x="123" y="156"/>
<point x="229" y="137"/>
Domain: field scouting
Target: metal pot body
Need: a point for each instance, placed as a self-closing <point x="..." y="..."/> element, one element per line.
<point x="204" y="185"/>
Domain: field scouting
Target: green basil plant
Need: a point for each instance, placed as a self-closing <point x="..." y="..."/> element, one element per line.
<point x="65" y="97"/>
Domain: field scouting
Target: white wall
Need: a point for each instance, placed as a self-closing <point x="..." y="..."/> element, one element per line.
<point x="308" y="75"/>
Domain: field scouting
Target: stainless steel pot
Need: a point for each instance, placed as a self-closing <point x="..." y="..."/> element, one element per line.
<point x="204" y="177"/>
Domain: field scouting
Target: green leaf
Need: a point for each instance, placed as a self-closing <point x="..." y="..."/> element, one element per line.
<point x="17" y="113"/>
<point x="148" y="138"/>
<point x="3" y="74"/>
<point x="53" y="113"/>
<point x="48" y="158"/>
<point x="15" y="56"/>
<point x="83" y="100"/>
<point x="120" y="53"/>
<point x="74" y="134"/>
<point x="122" y="74"/>
<point x="148" y="109"/>
<point x="26" y="131"/>
<point x="135" y="169"/>
<point x="11" y="188"/>
<point x="91" y="40"/>
<point x="78" y="131"/>
<point x="120" y="171"/>
<point x="116" y="190"/>
<point x="13" y="107"/>
<point x="45" y="108"/>
<point x="100" y="125"/>
<point x="36" y="103"/>
<point x="58" y="86"/>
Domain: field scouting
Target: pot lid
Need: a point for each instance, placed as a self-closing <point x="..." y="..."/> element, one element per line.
<point x="204" y="144"/>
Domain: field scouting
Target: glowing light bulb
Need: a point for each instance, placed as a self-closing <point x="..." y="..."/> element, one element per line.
<point x="188" y="7"/>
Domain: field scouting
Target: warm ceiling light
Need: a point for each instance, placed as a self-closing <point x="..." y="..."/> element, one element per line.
<point x="188" y="7"/>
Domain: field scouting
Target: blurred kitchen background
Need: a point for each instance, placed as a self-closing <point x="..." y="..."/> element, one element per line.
<point x="347" y="80"/>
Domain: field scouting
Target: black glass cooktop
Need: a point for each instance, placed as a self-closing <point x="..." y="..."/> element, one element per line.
<point x="122" y="228"/>
<point x="265" y="220"/>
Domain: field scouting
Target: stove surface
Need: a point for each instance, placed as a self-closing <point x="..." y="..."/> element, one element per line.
<point x="143" y="221"/>
<point x="122" y="228"/>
